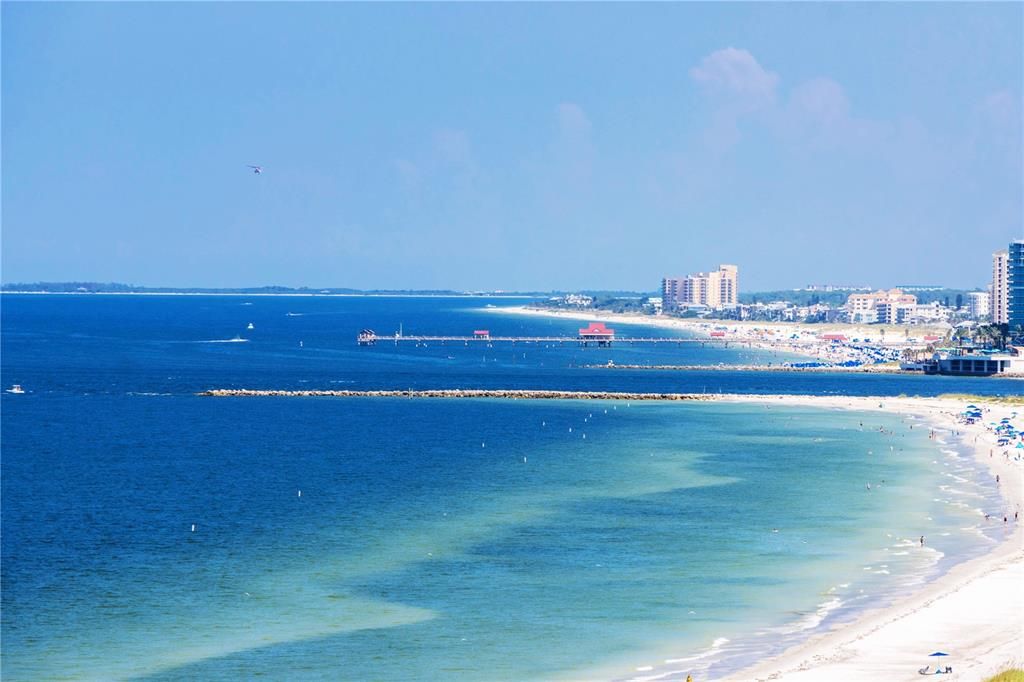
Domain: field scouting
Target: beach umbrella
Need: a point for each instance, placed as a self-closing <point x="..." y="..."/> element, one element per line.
<point x="938" y="653"/>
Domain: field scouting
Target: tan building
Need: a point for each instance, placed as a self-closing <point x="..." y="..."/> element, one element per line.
<point x="716" y="289"/>
<point x="999" y="307"/>
<point x="880" y="306"/>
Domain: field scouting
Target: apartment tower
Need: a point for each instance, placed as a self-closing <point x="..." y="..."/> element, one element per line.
<point x="1015" y="287"/>
<point x="998" y="302"/>
<point x="716" y="289"/>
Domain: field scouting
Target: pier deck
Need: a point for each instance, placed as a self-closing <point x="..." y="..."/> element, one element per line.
<point x="369" y="340"/>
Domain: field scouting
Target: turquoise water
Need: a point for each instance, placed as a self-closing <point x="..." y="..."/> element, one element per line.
<point x="433" y="539"/>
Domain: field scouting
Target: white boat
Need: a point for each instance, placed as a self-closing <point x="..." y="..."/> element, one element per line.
<point x="251" y="326"/>
<point x="16" y="388"/>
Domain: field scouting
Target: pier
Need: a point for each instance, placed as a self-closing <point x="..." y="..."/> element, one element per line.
<point x="596" y="334"/>
<point x="372" y="340"/>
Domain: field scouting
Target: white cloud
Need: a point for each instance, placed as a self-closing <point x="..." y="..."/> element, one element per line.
<point x="735" y="72"/>
<point x="572" y="121"/>
<point x="821" y="101"/>
<point x="820" y="112"/>
<point x="1001" y="108"/>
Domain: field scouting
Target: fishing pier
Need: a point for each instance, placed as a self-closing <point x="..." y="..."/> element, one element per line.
<point x="595" y="334"/>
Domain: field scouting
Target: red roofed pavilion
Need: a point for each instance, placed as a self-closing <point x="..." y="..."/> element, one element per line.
<point x="596" y="331"/>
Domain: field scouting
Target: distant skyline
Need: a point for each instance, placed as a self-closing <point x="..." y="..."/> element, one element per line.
<point x="510" y="146"/>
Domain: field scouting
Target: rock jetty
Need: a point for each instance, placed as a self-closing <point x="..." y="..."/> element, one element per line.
<point x="515" y="394"/>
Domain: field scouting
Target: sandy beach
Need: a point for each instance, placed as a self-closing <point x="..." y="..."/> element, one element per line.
<point x="975" y="612"/>
<point x="791" y="337"/>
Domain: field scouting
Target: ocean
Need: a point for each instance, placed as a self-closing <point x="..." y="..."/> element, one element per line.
<point x="149" y="533"/>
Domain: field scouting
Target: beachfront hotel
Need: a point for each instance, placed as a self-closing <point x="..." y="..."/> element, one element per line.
<point x="998" y="299"/>
<point x="716" y="289"/>
<point x="891" y="307"/>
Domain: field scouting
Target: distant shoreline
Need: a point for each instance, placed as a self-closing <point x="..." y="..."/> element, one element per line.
<point x="261" y="294"/>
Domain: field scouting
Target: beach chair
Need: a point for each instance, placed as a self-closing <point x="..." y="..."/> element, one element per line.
<point x="925" y="670"/>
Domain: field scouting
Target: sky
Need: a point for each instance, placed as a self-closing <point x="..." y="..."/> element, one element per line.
<point x="513" y="146"/>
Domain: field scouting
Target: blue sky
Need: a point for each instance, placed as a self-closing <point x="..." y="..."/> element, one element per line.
<point x="511" y="146"/>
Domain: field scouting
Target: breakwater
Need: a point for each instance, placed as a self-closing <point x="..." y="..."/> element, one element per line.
<point x="513" y="394"/>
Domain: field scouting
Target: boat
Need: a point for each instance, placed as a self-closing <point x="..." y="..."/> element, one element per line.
<point x="251" y="326"/>
<point x="16" y="388"/>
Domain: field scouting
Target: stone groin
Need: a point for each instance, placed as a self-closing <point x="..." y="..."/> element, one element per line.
<point x="508" y="394"/>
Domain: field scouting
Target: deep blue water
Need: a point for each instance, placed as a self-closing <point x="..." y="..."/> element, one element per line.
<point x="432" y="538"/>
<point x="119" y="344"/>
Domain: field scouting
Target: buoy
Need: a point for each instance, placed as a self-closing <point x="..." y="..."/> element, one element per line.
<point x="584" y="436"/>
<point x="483" y="445"/>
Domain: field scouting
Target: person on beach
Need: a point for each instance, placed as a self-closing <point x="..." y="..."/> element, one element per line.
<point x="922" y="541"/>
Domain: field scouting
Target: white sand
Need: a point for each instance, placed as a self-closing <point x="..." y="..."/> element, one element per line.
<point x="893" y="334"/>
<point x="975" y="612"/>
<point x="791" y="337"/>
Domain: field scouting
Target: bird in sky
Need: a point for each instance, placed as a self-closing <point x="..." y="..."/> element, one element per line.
<point x="257" y="169"/>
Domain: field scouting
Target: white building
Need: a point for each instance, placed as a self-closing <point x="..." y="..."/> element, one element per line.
<point x="979" y="304"/>
<point x="999" y="308"/>
<point x="890" y="307"/>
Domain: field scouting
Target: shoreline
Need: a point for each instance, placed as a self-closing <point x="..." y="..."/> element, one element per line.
<point x="260" y="294"/>
<point x="790" y="337"/>
<point x="781" y="367"/>
<point x="973" y="611"/>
